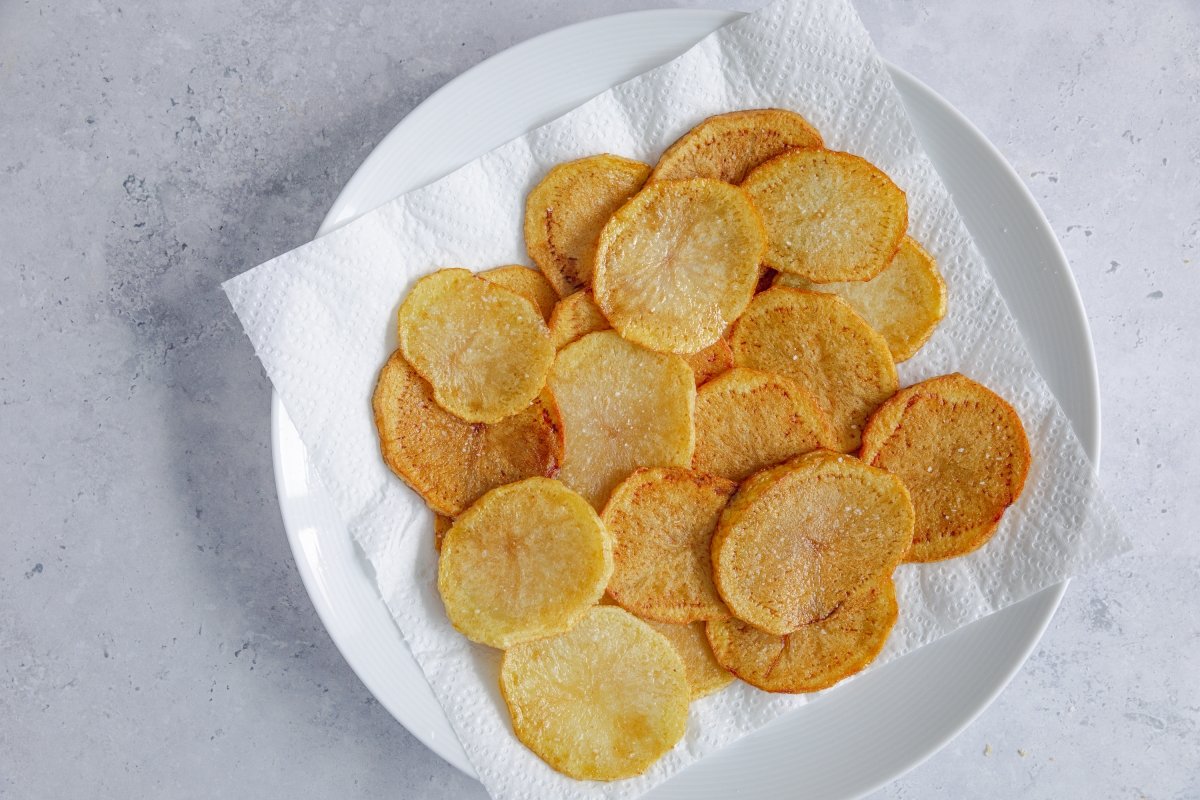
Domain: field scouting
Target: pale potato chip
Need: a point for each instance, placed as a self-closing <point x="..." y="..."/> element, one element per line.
<point x="704" y="674"/>
<point x="448" y="461"/>
<point x="711" y="361"/>
<point x="814" y="656"/>
<point x="527" y="560"/>
<point x="601" y="702"/>
<point x="962" y="452"/>
<point x="904" y="303"/>
<point x="800" y="538"/>
<point x="565" y="212"/>
<point x="818" y="341"/>
<point x="574" y="317"/>
<point x="621" y="407"/>
<point x="829" y="216"/>
<point x="527" y="282"/>
<point x="678" y="263"/>
<point x="441" y="524"/>
<point x="484" y="349"/>
<point x="662" y="523"/>
<point x="748" y="420"/>
<point x="728" y="146"/>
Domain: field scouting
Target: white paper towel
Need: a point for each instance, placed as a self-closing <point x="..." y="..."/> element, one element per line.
<point x="322" y="320"/>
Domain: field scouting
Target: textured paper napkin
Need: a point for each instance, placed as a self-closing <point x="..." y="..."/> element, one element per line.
<point x="322" y="320"/>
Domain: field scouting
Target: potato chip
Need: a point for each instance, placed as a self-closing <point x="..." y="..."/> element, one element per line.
<point x="726" y="147"/>
<point x="565" y="212"/>
<point x="574" y="317"/>
<point x="818" y="341"/>
<point x="711" y="361"/>
<point x="962" y="452"/>
<point x="484" y="349"/>
<point x="601" y="702"/>
<point x="441" y="524"/>
<point x="678" y="263"/>
<point x="527" y="560"/>
<point x="527" y="282"/>
<point x="448" y="461"/>
<point x="829" y="216"/>
<point x="800" y="538"/>
<point x="814" y="656"/>
<point x="904" y="303"/>
<point x="704" y="674"/>
<point x="621" y="407"/>
<point x="662" y="523"/>
<point x="748" y="420"/>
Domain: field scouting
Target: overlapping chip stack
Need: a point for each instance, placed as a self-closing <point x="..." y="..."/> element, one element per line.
<point x="677" y="452"/>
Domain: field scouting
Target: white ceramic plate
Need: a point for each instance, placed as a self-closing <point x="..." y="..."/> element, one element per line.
<point x="883" y="723"/>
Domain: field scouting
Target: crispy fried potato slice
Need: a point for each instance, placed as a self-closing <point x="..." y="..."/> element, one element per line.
<point x="711" y="361"/>
<point x="704" y="674"/>
<point x="441" y="524"/>
<point x="662" y="522"/>
<point x="726" y="147"/>
<point x="800" y="538"/>
<point x="814" y="656"/>
<point x="601" y="702"/>
<point x="904" y="303"/>
<point x="962" y="452"/>
<point x="818" y="341"/>
<point x="448" y="461"/>
<point x="678" y="263"/>
<point x="829" y="216"/>
<point x="574" y="317"/>
<point x="527" y="282"/>
<point x="565" y="212"/>
<point x="621" y="407"/>
<point x="748" y="420"/>
<point x="527" y="560"/>
<point x="484" y="349"/>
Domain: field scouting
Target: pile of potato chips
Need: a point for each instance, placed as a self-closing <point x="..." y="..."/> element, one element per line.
<point x="677" y="452"/>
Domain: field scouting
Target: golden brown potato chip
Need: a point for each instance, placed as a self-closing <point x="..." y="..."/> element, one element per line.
<point x="726" y="147"/>
<point x="748" y="420"/>
<point x="711" y="361"/>
<point x="527" y="560"/>
<point x="962" y="452"/>
<point x="704" y="674"/>
<point x="441" y="524"/>
<point x="818" y="341"/>
<point x="829" y="216"/>
<point x="678" y="263"/>
<point x="484" y="349"/>
<point x="574" y="317"/>
<point x="904" y="303"/>
<point x="565" y="212"/>
<point x="814" y="656"/>
<point x="448" y="461"/>
<point x="621" y="407"/>
<point x="800" y="538"/>
<point x="527" y="282"/>
<point x="601" y="702"/>
<point x="662" y="523"/>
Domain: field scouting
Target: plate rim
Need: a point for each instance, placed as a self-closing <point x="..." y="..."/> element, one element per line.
<point x="1090" y="437"/>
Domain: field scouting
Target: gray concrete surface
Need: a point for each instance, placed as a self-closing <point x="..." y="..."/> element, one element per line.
<point x="155" y="639"/>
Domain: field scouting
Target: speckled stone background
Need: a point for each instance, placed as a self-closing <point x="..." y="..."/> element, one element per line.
<point x="155" y="639"/>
